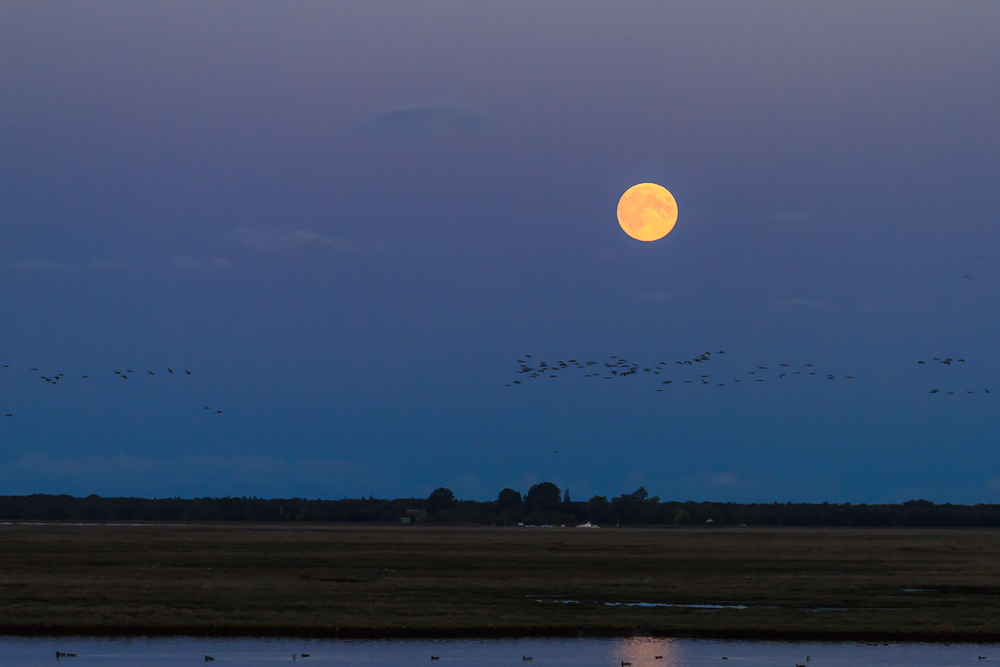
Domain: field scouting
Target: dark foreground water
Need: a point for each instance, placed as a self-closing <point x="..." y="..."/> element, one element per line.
<point x="485" y="653"/>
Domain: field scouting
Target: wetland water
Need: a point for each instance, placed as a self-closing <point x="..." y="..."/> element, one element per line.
<point x="640" y="652"/>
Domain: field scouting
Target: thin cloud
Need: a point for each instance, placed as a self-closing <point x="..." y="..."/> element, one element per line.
<point x="607" y="256"/>
<point x="756" y="486"/>
<point x="257" y="239"/>
<point x="441" y="250"/>
<point x="796" y="303"/>
<point x="788" y="215"/>
<point x="186" y="263"/>
<point x="310" y="238"/>
<point x="38" y="264"/>
<point x="725" y="484"/>
<point x="659" y="297"/>
<point x="421" y="120"/>
<point x="189" y="475"/>
<point x="302" y="240"/>
<point x="106" y="265"/>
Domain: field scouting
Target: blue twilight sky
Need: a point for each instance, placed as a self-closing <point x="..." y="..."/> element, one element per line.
<point x="349" y="220"/>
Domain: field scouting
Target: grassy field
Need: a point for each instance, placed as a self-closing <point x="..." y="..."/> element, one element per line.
<point x="371" y="581"/>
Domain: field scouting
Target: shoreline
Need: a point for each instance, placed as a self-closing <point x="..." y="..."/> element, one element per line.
<point x="374" y="633"/>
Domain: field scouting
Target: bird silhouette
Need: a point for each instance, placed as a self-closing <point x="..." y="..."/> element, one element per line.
<point x="188" y="372"/>
<point x="8" y="415"/>
<point x="83" y="377"/>
<point x="170" y="371"/>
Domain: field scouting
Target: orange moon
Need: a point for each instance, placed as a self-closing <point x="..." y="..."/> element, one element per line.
<point x="647" y="212"/>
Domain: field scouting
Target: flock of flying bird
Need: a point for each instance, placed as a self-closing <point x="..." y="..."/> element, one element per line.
<point x="621" y="368"/>
<point x="57" y="378"/>
<point x="948" y="362"/>
<point x="967" y="276"/>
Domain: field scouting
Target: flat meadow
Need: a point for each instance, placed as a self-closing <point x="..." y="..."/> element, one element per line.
<point x="367" y="580"/>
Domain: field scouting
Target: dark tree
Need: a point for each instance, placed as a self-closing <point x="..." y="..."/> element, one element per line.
<point x="543" y="497"/>
<point x="440" y="499"/>
<point x="598" y="509"/>
<point x="508" y="499"/>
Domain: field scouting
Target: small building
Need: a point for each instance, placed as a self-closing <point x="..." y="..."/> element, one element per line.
<point x="416" y="516"/>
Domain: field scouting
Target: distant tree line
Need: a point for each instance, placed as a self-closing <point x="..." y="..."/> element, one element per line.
<point x="544" y="504"/>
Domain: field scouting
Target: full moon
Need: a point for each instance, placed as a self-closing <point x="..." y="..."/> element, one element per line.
<point x="647" y="212"/>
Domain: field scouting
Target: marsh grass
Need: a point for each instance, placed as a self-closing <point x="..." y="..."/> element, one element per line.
<point x="440" y="581"/>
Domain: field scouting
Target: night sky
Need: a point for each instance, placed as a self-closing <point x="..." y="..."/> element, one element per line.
<point x="350" y="220"/>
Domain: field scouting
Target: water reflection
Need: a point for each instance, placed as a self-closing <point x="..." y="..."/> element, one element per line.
<point x="640" y="652"/>
<point x="712" y="606"/>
